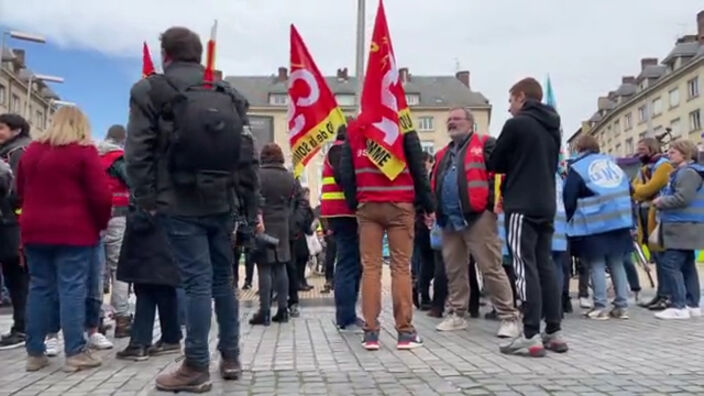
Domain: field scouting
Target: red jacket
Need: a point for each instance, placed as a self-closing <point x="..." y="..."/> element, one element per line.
<point x="332" y="200"/>
<point x="64" y="194"/>
<point x="120" y="193"/>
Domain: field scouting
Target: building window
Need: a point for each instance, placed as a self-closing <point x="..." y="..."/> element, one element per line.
<point x="412" y="99"/>
<point x="695" y="121"/>
<point x="428" y="147"/>
<point x="693" y="88"/>
<point x="278" y="99"/>
<point x="618" y="149"/>
<point x="628" y="121"/>
<point x="629" y="146"/>
<point x="675" y="97"/>
<point x="675" y="128"/>
<point x="643" y="113"/>
<point x="425" y="123"/>
<point x="642" y="135"/>
<point x="39" y="119"/>
<point x="617" y="127"/>
<point x="15" y="104"/>
<point x="345" y="99"/>
<point x="2" y="94"/>
<point x="657" y="107"/>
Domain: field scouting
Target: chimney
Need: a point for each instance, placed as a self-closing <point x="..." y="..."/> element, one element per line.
<point x="283" y="74"/>
<point x="700" y="26"/>
<point x="19" y="57"/>
<point x="342" y="74"/>
<point x="403" y="75"/>
<point x="217" y="75"/>
<point x="463" y="76"/>
<point x="648" y="62"/>
<point x="628" y="80"/>
<point x="603" y="103"/>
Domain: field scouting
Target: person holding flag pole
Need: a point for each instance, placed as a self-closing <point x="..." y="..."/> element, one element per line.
<point x="382" y="174"/>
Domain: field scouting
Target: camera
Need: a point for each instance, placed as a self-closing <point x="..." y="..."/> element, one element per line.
<point x="266" y="240"/>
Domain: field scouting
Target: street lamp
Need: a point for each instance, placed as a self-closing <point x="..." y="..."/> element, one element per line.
<point x="38" y="77"/>
<point x="61" y="103"/>
<point x="360" y="53"/>
<point x="35" y="38"/>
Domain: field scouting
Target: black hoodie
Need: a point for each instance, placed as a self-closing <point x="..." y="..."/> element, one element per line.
<point x="527" y="152"/>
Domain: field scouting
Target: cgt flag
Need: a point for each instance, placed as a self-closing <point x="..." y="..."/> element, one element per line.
<point x="313" y="114"/>
<point x="147" y="64"/>
<point x="384" y="100"/>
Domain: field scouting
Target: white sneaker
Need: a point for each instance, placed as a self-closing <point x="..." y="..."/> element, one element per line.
<point x="451" y="323"/>
<point x="99" y="342"/>
<point x="52" y="346"/>
<point x="585" y="302"/>
<point x="508" y="329"/>
<point x="673" y="313"/>
<point x="695" y="312"/>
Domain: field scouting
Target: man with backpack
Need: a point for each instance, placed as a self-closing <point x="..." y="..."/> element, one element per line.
<point x="112" y="156"/>
<point x="183" y="153"/>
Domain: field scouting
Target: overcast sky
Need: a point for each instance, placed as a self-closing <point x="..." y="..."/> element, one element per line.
<point x="585" y="46"/>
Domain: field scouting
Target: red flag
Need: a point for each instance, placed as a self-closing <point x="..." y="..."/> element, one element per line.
<point x="210" y="56"/>
<point x="313" y="114"/>
<point x="147" y="64"/>
<point x="384" y="101"/>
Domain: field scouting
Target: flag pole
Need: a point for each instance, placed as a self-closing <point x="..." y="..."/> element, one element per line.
<point x="359" y="67"/>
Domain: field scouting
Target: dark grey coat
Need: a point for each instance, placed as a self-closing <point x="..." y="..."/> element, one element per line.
<point x="684" y="236"/>
<point x="278" y="190"/>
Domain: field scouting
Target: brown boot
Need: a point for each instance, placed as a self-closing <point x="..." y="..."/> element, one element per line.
<point x="230" y="369"/>
<point x="185" y="378"/>
<point x="123" y="324"/>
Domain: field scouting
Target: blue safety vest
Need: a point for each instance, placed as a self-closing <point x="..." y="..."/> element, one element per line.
<point x="652" y="167"/>
<point x="694" y="212"/>
<point x="559" y="238"/>
<point x="610" y="207"/>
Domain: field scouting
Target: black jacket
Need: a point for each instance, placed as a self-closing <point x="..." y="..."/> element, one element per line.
<point x="443" y="165"/>
<point x="527" y="152"/>
<point x="145" y="256"/>
<point x="279" y="191"/>
<point x="11" y="152"/>
<point x="414" y="158"/>
<point x="147" y="141"/>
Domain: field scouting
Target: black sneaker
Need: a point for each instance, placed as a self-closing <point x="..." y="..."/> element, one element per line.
<point x="136" y="353"/>
<point x="13" y="340"/>
<point x="294" y="311"/>
<point x="163" y="348"/>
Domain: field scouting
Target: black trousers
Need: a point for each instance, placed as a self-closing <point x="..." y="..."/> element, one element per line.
<point x="293" y="282"/>
<point x="149" y="299"/>
<point x="330" y="257"/>
<point x="530" y="242"/>
<point x="17" y="281"/>
<point x="426" y="263"/>
<point x="248" y="265"/>
<point x="439" y="282"/>
<point x="474" y="293"/>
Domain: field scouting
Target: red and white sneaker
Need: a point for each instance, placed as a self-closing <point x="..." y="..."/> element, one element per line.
<point x="408" y="341"/>
<point x="371" y="340"/>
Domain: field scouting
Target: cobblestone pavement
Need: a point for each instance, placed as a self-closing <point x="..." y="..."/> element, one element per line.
<point x="309" y="356"/>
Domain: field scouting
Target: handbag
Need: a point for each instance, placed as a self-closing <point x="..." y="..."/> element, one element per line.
<point x="314" y="246"/>
<point x="655" y="239"/>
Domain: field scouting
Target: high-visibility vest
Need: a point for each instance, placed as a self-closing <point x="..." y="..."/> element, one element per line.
<point x="694" y="212"/>
<point x="120" y="193"/>
<point x="332" y="200"/>
<point x="373" y="185"/>
<point x="559" y="237"/>
<point x="609" y="208"/>
<point x="475" y="173"/>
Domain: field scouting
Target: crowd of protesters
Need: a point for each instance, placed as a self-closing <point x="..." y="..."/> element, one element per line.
<point x="153" y="214"/>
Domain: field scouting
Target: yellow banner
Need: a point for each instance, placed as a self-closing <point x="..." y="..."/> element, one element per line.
<point x="387" y="163"/>
<point x="310" y="142"/>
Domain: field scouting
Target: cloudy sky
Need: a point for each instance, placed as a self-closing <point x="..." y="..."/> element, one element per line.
<point x="585" y="46"/>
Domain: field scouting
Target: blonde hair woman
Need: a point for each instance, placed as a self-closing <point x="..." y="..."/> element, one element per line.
<point x="682" y="230"/>
<point x="66" y="201"/>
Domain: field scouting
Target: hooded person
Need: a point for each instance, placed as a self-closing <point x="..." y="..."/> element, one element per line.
<point x="527" y="152"/>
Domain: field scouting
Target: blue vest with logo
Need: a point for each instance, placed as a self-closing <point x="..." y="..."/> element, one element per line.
<point x="694" y="212"/>
<point x="559" y="238"/>
<point x="609" y="208"/>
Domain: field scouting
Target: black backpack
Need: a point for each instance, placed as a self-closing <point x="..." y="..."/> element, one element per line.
<point x="204" y="144"/>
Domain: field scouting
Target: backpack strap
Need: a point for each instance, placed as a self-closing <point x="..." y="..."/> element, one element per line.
<point x="162" y="94"/>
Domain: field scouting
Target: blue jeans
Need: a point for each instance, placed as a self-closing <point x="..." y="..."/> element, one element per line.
<point x="680" y="274"/>
<point x="94" y="300"/>
<point x="663" y="290"/>
<point x="558" y="258"/>
<point x="348" y="270"/>
<point x="63" y="271"/>
<point x="203" y="252"/>
<point x="618" y="277"/>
